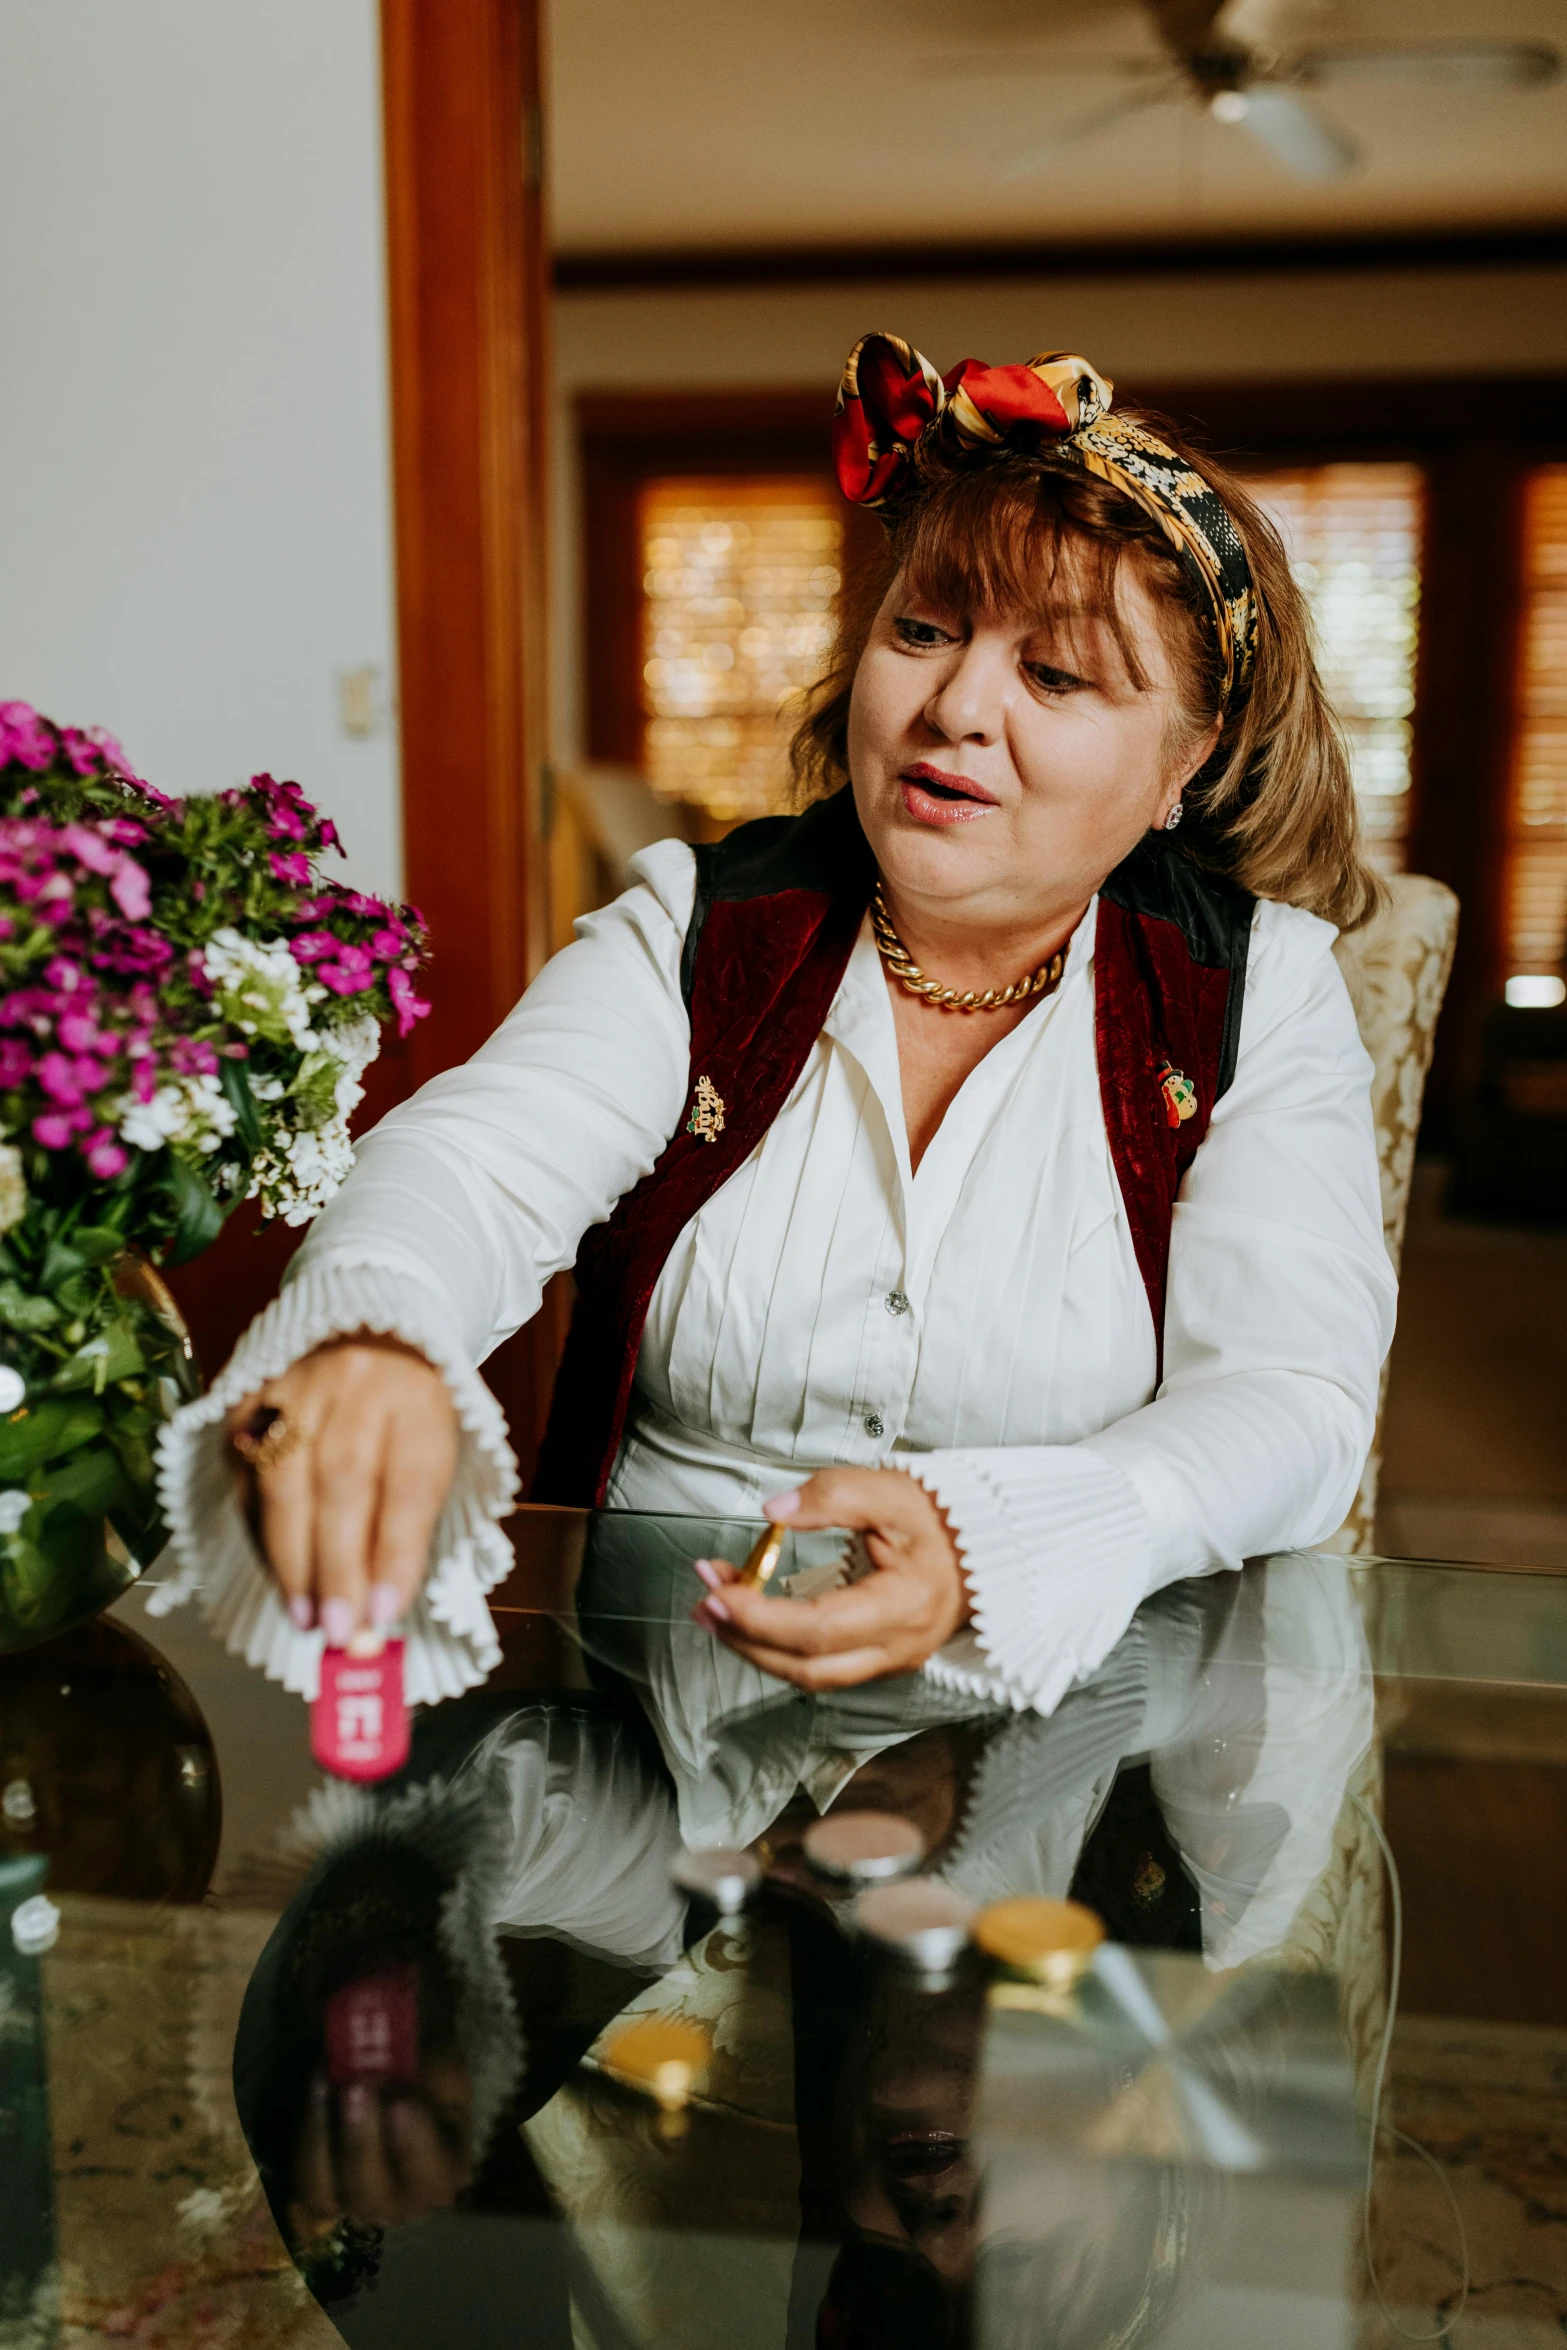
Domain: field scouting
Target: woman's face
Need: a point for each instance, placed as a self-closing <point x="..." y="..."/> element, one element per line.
<point x="1003" y="766"/>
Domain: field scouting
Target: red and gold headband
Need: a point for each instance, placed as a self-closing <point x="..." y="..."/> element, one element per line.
<point x="891" y="399"/>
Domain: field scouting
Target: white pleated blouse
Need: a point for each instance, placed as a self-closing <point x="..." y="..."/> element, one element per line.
<point x="981" y="1322"/>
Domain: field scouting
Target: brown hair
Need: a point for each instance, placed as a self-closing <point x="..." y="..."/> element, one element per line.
<point x="1273" y="807"/>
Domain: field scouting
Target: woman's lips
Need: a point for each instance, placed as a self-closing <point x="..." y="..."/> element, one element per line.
<point x="933" y="797"/>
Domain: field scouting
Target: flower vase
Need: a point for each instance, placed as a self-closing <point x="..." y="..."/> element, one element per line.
<point x="79" y="1516"/>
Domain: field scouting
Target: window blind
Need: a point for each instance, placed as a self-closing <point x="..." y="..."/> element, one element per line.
<point x="1536" y="886"/>
<point x="739" y="578"/>
<point x="1352" y="532"/>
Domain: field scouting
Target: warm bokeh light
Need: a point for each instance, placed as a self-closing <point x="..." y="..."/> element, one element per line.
<point x="1353" y="534"/>
<point x="1536" y="934"/>
<point x="739" y="578"/>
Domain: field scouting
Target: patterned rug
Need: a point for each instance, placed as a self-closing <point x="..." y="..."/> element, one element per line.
<point x="1490" y="2102"/>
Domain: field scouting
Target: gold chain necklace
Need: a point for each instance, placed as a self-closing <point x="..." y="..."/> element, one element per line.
<point x="907" y="972"/>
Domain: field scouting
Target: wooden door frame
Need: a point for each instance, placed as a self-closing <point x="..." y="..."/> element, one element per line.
<point x="468" y="307"/>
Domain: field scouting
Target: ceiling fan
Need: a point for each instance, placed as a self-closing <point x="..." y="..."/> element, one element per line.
<point x="1257" y="86"/>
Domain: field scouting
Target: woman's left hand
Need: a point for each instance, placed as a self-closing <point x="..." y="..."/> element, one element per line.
<point x="888" y="1622"/>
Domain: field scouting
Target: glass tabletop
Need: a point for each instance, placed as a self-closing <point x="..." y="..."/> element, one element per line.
<point x="654" y="2002"/>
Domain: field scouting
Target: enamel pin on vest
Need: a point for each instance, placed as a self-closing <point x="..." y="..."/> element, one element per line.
<point x="707" y="1111"/>
<point x="1180" y="1095"/>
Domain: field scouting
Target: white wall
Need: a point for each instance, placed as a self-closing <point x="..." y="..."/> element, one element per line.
<point x="194" y="503"/>
<point x="1469" y="323"/>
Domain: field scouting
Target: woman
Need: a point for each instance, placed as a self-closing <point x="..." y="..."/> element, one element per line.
<point x="976" y="1161"/>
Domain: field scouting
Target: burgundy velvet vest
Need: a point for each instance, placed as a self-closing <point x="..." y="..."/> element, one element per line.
<point x="779" y="905"/>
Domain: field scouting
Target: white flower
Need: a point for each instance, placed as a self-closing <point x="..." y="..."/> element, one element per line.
<point x="261" y="989"/>
<point x="14" y="1506"/>
<point x="184" y="1109"/>
<point x="13" y="1187"/>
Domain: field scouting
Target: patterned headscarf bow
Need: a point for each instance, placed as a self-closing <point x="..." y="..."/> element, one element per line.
<point x="891" y="398"/>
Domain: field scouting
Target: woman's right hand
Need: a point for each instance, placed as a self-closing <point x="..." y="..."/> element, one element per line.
<point x="345" y="1502"/>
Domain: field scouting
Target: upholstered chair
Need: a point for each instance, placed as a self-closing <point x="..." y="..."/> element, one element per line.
<point x="1396" y="970"/>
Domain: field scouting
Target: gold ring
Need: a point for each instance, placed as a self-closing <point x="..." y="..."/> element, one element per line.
<point x="269" y="1439"/>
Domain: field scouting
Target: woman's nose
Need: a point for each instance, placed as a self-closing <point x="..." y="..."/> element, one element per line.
<point x="969" y="704"/>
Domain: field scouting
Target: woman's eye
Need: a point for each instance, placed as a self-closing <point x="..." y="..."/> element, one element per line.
<point x="922" y="635"/>
<point x="1051" y="680"/>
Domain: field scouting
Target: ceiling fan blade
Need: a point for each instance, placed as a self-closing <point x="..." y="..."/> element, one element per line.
<point x="1496" y="65"/>
<point x="1034" y="158"/>
<point x="1005" y="64"/>
<point x="1306" y="145"/>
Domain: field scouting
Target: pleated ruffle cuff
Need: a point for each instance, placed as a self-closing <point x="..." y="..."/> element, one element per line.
<point x="449" y="1638"/>
<point x="1057" y="1551"/>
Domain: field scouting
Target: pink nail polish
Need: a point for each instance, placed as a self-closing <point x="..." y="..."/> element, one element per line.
<point x="783" y="1505"/>
<point x="713" y="1611"/>
<point x="337" y="1622"/>
<point x="709" y="1574"/>
<point x="385" y="1605"/>
<point x="301" y="1614"/>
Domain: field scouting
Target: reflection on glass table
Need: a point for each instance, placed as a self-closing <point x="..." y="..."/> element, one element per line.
<point x="485" y="2054"/>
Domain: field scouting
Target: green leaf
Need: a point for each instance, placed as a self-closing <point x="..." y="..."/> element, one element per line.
<point x="19" y="1311"/>
<point x="42" y="1433"/>
<point x="234" y="1078"/>
<point x="111" y="1356"/>
<point x="93" y="1481"/>
<point x="98" y="1243"/>
<point x="198" y="1219"/>
<point x="61" y="1259"/>
<point x="314" y="1090"/>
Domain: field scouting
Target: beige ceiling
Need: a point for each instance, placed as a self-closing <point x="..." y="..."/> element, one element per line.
<point x="728" y="122"/>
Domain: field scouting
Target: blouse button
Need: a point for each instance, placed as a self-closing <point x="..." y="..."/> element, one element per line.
<point x="896" y="1302"/>
<point x="875" y="1425"/>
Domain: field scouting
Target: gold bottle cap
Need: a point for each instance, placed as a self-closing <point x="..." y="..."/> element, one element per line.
<point x="762" y="1565"/>
<point x="864" y="1847"/>
<point x="1054" y="1941"/>
<point x="662" y="2056"/>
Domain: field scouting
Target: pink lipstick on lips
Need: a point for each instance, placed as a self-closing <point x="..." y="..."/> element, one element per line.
<point x="932" y="796"/>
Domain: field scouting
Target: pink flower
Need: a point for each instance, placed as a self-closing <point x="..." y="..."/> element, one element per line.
<point x="90" y="848"/>
<point x="131" y="890"/>
<point x="16" y="1062"/>
<point x="79" y="1033"/>
<point x="54" y="1130"/>
<point x="288" y="814"/>
<point x="388" y="944"/>
<point x="311" y="945"/>
<point x="295" y="867"/>
<point x="62" y="973"/>
<point x="144" y="1080"/>
<point x="68" y="1081"/>
<point x="82" y="752"/>
<point x="408" y="1005"/>
<point x="106" y="1157"/>
<point x="25" y="737"/>
<point x="350" y="973"/>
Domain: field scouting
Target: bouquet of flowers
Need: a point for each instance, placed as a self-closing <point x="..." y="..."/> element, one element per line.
<point x="187" y="1008"/>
